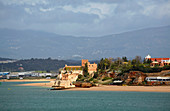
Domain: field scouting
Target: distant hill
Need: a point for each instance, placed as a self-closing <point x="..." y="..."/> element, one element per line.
<point x="37" y="65"/>
<point x="38" y="44"/>
<point x="5" y="59"/>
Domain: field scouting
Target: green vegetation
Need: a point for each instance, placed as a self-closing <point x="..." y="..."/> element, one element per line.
<point x="106" y="78"/>
<point x="80" y="78"/>
<point x="4" y="59"/>
<point x="108" y="69"/>
<point x="123" y="65"/>
<point x="91" y="79"/>
<point x="85" y="70"/>
<point x="119" y="68"/>
<point x="106" y="82"/>
<point x="45" y="65"/>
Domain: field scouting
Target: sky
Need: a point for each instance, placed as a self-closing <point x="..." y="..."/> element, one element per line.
<point x="84" y="17"/>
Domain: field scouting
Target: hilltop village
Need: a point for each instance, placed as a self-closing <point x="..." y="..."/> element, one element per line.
<point x="109" y="71"/>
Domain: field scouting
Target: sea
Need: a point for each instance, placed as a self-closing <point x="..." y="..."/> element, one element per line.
<point x="29" y="98"/>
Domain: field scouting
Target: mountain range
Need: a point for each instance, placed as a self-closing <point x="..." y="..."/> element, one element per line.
<point x="21" y="44"/>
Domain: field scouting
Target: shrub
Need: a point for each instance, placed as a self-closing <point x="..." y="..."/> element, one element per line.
<point x="167" y="67"/>
<point x="80" y="78"/>
<point x="106" y="78"/>
<point x="91" y="79"/>
<point x="95" y="80"/>
<point x="107" y="83"/>
<point x="95" y="75"/>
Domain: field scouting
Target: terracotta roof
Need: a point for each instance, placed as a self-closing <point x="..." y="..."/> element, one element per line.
<point x="159" y="59"/>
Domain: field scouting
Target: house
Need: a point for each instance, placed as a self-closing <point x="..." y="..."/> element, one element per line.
<point x="158" y="61"/>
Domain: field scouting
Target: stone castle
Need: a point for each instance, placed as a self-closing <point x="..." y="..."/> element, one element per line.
<point x="69" y="74"/>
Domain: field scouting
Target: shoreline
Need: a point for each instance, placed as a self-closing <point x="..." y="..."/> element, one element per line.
<point x="125" y="88"/>
<point x="108" y="88"/>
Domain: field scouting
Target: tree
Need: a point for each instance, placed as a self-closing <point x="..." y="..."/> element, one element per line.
<point x="125" y="59"/>
<point x="105" y="64"/>
<point x="95" y="75"/>
<point x="144" y="61"/>
<point x="101" y="65"/>
<point x="85" y="70"/>
<point x="118" y="62"/>
<point x="137" y="60"/>
<point x="149" y="61"/>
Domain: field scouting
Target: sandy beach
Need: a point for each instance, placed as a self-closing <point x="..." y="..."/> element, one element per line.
<point x="126" y="88"/>
<point x="110" y="88"/>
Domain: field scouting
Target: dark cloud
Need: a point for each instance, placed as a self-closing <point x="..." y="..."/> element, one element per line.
<point x="84" y="17"/>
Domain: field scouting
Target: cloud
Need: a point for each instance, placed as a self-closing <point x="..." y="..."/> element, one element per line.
<point x="77" y="56"/>
<point x="84" y="17"/>
<point x="100" y="9"/>
<point x="155" y="9"/>
<point x="28" y="10"/>
<point x="164" y="10"/>
<point x="24" y="2"/>
<point x="47" y="9"/>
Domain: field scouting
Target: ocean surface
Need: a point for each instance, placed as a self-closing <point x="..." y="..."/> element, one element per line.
<point x="28" y="98"/>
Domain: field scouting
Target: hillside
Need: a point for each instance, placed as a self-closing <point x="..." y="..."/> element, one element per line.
<point x="37" y="65"/>
<point x="19" y="44"/>
<point x="5" y="59"/>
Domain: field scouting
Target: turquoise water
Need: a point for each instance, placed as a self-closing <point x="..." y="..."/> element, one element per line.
<point x="27" y="98"/>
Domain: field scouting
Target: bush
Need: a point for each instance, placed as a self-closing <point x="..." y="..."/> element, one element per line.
<point x="80" y="78"/>
<point x="95" y="80"/>
<point x="91" y="79"/>
<point x="167" y="67"/>
<point x="155" y="69"/>
<point x="147" y="69"/>
<point x="107" y="83"/>
<point x="106" y="78"/>
<point x="95" y="75"/>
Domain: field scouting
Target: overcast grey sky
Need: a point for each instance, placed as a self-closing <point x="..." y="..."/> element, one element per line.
<point x="84" y="17"/>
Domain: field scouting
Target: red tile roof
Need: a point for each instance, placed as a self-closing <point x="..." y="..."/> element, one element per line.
<point x="159" y="59"/>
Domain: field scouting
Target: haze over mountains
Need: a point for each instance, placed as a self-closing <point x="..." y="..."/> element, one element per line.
<point x="19" y="44"/>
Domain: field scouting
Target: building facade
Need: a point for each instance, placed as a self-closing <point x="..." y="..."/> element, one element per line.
<point x="71" y="72"/>
<point x="158" y="61"/>
<point x="91" y="67"/>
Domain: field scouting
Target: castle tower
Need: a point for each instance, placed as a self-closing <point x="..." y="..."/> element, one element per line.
<point x="84" y="61"/>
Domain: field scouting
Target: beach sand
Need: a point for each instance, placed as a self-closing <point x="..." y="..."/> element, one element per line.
<point x="126" y="88"/>
<point x="110" y="88"/>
